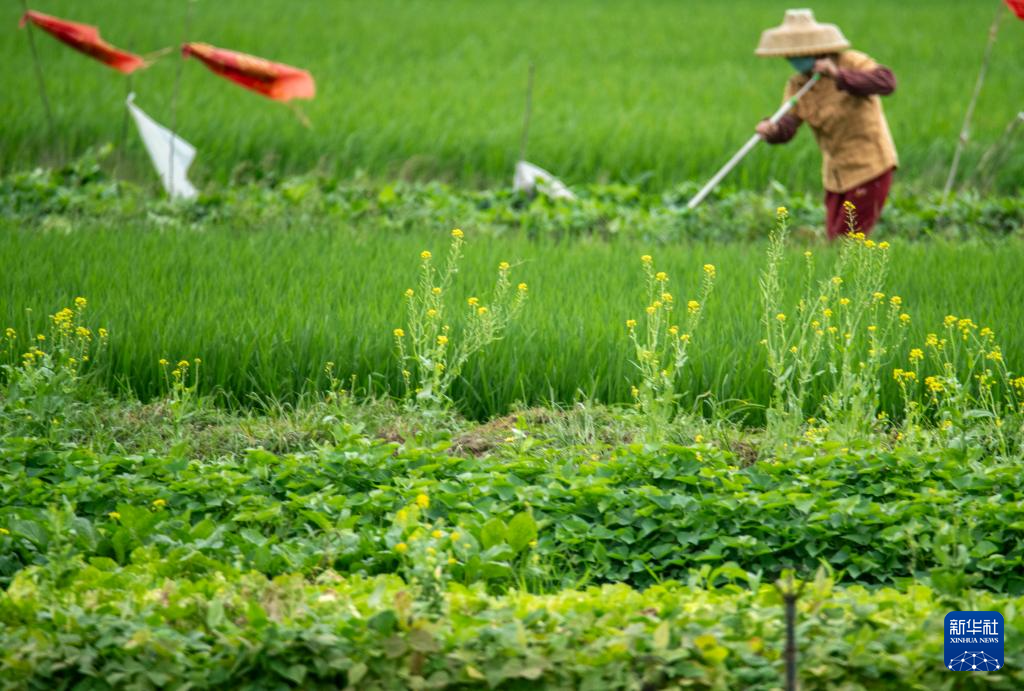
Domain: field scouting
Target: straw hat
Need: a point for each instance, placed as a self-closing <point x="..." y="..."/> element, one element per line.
<point x="800" y="35"/>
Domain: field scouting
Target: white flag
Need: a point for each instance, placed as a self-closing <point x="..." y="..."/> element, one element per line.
<point x="529" y="177"/>
<point x="159" y="142"/>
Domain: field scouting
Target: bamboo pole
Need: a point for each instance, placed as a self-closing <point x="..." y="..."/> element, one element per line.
<point x="525" y="136"/>
<point x="965" y="129"/>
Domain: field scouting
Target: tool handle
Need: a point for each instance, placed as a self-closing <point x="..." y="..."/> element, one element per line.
<point x="751" y="143"/>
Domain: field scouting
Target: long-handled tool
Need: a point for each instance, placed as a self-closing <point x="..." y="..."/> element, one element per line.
<point x="751" y="143"/>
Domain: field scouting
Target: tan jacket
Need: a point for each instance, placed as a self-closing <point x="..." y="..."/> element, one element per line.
<point x="856" y="145"/>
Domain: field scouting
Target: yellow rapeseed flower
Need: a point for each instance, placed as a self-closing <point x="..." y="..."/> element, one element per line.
<point x="401" y="548"/>
<point x="40" y="337"/>
<point x="114" y="515"/>
<point x="780" y="317"/>
<point x="423" y="501"/>
<point x="650" y="309"/>
<point x="667" y="297"/>
<point x="849" y="206"/>
<point x="81" y="302"/>
<point x="931" y="340"/>
<point x="685" y="338"/>
<point x="630" y="323"/>
<point x="431" y="312"/>
<point x="4" y="531"/>
<point x="661" y="276"/>
<point x="437" y="534"/>
<point x="896" y="301"/>
<point x="472" y="302"/>
<point x="872" y="328"/>
<point x="164" y="362"/>
<point x="673" y="330"/>
<point x="827" y="312"/>
<point x="103" y="333"/>
<point x="646" y="259"/>
<point x="808" y="254"/>
<point x="878" y="296"/>
<point x="996" y="355"/>
<point x="934" y="384"/>
<point x="883" y="245"/>
<point x="442" y="340"/>
<point x="949" y="320"/>
<point x="435" y="290"/>
<point x="159" y="503"/>
<point x="916" y="354"/>
<point x="709" y="270"/>
<point x="425" y="255"/>
<point x="409" y="292"/>
<point x="844" y="301"/>
<point x="905" y="318"/>
<point x="782" y="212"/>
<point x="10" y="333"/>
<point x="399" y="333"/>
<point x="455" y="535"/>
<point x="481" y="311"/>
<point x="503" y="266"/>
<point x="522" y="287"/>
<point x="635" y="392"/>
<point x="183" y="364"/>
<point x="457" y="233"/>
<point x="693" y="306"/>
<point x="793" y="349"/>
<point x="837" y="280"/>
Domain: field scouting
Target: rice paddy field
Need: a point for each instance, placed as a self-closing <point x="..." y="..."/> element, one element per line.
<point x="360" y="416"/>
<point x="656" y="92"/>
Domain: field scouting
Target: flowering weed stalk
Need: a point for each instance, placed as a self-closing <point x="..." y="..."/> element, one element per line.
<point x="660" y="344"/>
<point x="181" y="386"/>
<point x="834" y="340"/>
<point x="430" y="352"/>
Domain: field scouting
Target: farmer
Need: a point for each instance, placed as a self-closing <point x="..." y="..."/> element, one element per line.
<point x="844" y="112"/>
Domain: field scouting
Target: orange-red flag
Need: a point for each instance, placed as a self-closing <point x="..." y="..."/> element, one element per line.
<point x="85" y="39"/>
<point x="272" y="79"/>
<point x="1017" y="6"/>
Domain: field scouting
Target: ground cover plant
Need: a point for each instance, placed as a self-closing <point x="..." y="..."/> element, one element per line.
<point x="436" y="91"/>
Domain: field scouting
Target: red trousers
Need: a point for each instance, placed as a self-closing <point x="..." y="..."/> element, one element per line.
<point x="868" y="200"/>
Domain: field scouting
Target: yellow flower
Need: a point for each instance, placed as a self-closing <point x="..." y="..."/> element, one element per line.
<point x="667" y="297"/>
<point x="442" y="340"/>
<point x="916" y="354"/>
<point x="934" y="384"/>
<point x="409" y="292"/>
<point x="693" y="306"/>
<point x="472" y="302"/>
<point x="883" y="245"/>
<point x="10" y="333"/>
<point x="197" y="361"/>
<point x="949" y="320"/>
<point x="661" y="276"/>
<point x="827" y="312"/>
<point x="103" y="333"/>
<point x="656" y="304"/>
<point x="114" y="515"/>
<point x="83" y="332"/>
<point x="163" y="362"/>
<point x="780" y="317"/>
<point x="504" y="266"/>
<point x="630" y="323"/>
<point x="457" y="234"/>
<point x="849" y="206"/>
<point x="931" y="340"/>
<point x="709" y="270"/>
<point x="793" y="349"/>
<point x="685" y="338"/>
<point x="437" y="534"/>
<point x="837" y="280"/>
<point x="878" y="296"/>
<point x="435" y="290"/>
<point x="159" y="503"/>
<point x="452" y="561"/>
<point x="673" y="330"/>
<point x="905" y="318"/>
<point x="987" y="333"/>
<point x="423" y="501"/>
<point x="844" y="301"/>
<point x="635" y="392"/>
<point x="455" y="535"/>
<point x="425" y="255"/>
<point x="80" y="303"/>
<point x="807" y="254"/>
<point x="399" y="333"/>
<point x="650" y="309"/>
<point x="431" y="312"/>
<point x="4" y="531"/>
<point x="782" y="212"/>
<point x="646" y="259"/>
<point x="40" y="337"/>
<point x="401" y="548"/>
<point x="872" y="328"/>
<point x="522" y="287"/>
<point x="481" y="311"/>
<point x="896" y="301"/>
<point x="869" y="243"/>
<point x="183" y="364"/>
<point x="996" y="355"/>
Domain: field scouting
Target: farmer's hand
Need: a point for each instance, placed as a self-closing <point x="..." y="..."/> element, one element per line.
<point x="827" y="67"/>
<point x="765" y="128"/>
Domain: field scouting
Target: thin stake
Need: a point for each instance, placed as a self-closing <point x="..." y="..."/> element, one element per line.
<point x="39" y="73"/>
<point x="124" y="126"/>
<point x="992" y="153"/>
<point x="965" y="130"/>
<point x="789" y="598"/>
<point x="526" y="115"/>
<point x="174" y="103"/>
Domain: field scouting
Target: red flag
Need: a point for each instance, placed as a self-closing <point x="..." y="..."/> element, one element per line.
<point x="272" y="79"/>
<point x="1017" y="6"/>
<point x="85" y="39"/>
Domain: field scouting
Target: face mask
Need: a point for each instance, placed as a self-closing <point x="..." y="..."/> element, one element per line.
<point x="802" y="64"/>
